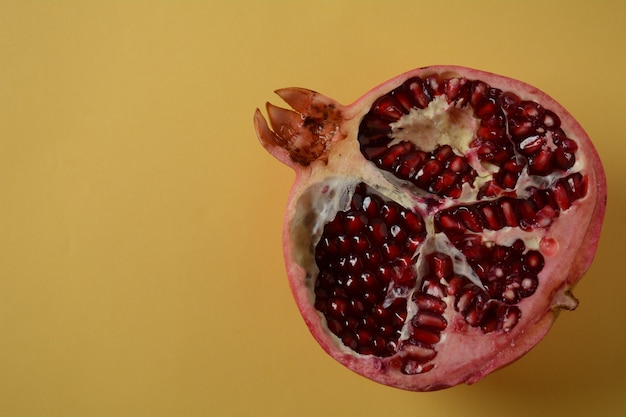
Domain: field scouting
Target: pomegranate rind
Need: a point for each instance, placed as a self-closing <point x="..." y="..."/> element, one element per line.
<point x="469" y="354"/>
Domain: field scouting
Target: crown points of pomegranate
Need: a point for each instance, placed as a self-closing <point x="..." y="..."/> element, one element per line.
<point x="448" y="207"/>
<point x="306" y="133"/>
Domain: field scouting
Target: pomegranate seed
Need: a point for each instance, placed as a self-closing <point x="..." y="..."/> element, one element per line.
<point x="508" y="212"/>
<point x="405" y="277"/>
<point x="533" y="261"/>
<point x="391" y="155"/>
<point x="360" y="244"/>
<point x="455" y="284"/>
<point x="433" y="85"/>
<point x="452" y="88"/>
<point x="509" y="101"/>
<point x="440" y="265"/>
<point x="413" y="222"/>
<point x="413" y="242"/>
<point x="568" y="145"/>
<point x="373" y="258"/>
<point x="337" y="308"/>
<point x="509" y="317"/>
<point x="343" y="245"/>
<point x="527" y="212"/>
<point x="356" y="307"/>
<point x="531" y="109"/>
<point x="412" y="367"/>
<point x="409" y="164"/>
<point x="404" y="99"/>
<point x="577" y="185"/>
<point x="389" y="212"/>
<point x="491" y="216"/>
<point x="458" y="165"/>
<point x="540" y="163"/>
<point x="470" y="218"/>
<point x="385" y="272"/>
<point x="388" y="108"/>
<point x="370" y="298"/>
<point x="382" y="315"/>
<point x="379" y="344"/>
<point x="398" y="318"/>
<point x="418" y="353"/>
<point x="429" y="171"/>
<point x="435" y="289"/>
<point x="390" y="250"/>
<point x="528" y="285"/>
<point x="550" y="119"/>
<point x="363" y="337"/>
<point x="419" y="95"/>
<point x="561" y="197"/>
<point x="379" y="231"/>
<point x="425" y="337"/>
<point x="448" y="223"/>
<point x="350" y="341"/>
<point x="426" y="302"/>
<point x="531" y="145"/>
<point x="443" y="153"/>
<point x="397" y="233"/>
<point x="486" y="108"/>
<point x="370" y="206"/>
<point x="563" y="160"/>
<point x="334" y="326"/>
<point x="480" y="90"/>
<point x="431" y="320"/>
<point x="355" y="223"/>
<point x="464" y="300"/>
<point x="520" y="129"/>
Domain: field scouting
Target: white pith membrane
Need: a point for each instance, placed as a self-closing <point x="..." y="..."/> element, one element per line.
<point x="333" y="184"/>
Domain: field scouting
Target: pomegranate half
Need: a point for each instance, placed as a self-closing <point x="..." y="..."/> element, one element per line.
<point x="437" y="225"/>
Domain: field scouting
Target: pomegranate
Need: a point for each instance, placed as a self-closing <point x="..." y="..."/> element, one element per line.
<point x="437" y="225"/>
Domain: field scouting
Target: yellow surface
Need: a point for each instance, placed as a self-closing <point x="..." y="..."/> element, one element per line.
<point x="140" y="259"/>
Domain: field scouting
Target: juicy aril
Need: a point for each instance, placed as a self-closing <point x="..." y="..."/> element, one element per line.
<point x="437" y="225"/>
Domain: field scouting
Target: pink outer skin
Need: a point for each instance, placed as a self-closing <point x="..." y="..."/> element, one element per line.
<point x="476" y="355"/>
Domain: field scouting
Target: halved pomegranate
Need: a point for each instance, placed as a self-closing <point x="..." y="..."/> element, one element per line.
<point x="436" y="225"/>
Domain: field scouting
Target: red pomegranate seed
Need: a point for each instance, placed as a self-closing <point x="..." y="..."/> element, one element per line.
<point x="430" y="320"/>
<point x="531" y="145"/>
<point x="486" y="108"/>
<point x="550" y="119"/>
<point x="458" y="165"/>
<point x="404" y="99"/>
<point x="389" y="108"/>
<point x="440" y="265"/>
<point x="355" y="223"/>
<point x="419" y="95"/>
<point x="541" y="162"/>
<point x="448" y="223"/>
<point x="426" y="302"/>
<point x="425" y="337"/>
<point x="443" y="153"/>
<point x="561" y="196"/>
<point x="379" y="231"/>
<point x="563" y="160"/>
<point x="491" y="216"/>
<point x="391" y="155"/>
<point x="409" y="164"/>
<point x="508" y="212"/>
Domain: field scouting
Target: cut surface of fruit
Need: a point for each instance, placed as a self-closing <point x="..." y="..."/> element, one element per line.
<point x="438" y="224"/>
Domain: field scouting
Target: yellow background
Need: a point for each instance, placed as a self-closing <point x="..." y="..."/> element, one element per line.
<point x="140" y="259"/>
